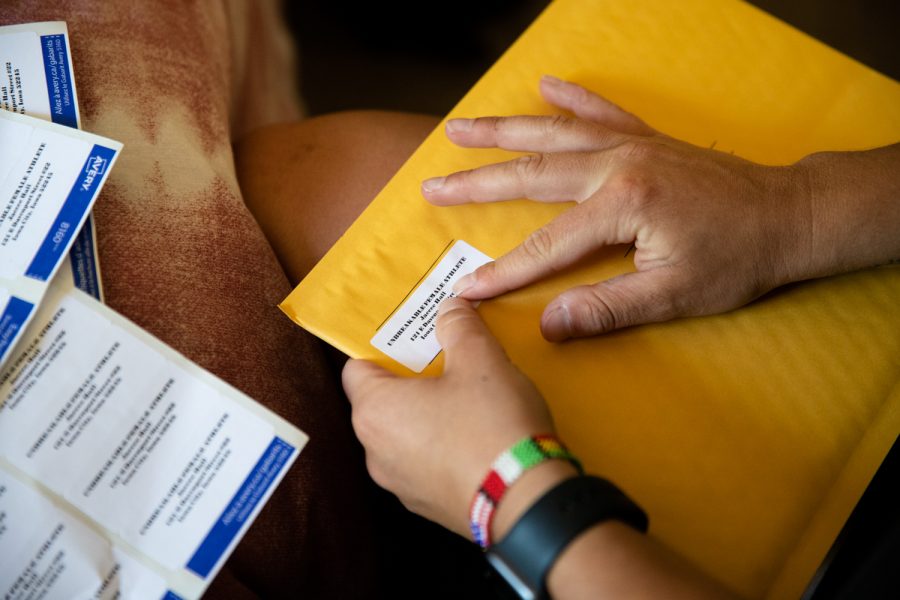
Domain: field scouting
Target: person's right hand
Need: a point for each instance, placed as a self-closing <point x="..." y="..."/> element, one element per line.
<point x="711" y="231"/>
<point x="431" y="440"/>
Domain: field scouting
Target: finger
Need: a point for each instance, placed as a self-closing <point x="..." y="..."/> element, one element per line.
<point x="360" y="376"/>
<point x="588" y="105"/>
<point x="465" y="338"/>
<point x="545" y="177"/>
<point x="564" y="241"/>
<point x="623" y="301"/>
<point x="556" y="133"/>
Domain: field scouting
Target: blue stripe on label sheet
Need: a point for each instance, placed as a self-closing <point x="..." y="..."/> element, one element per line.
<point x="59" y="80"/>
<point x="84" y="261"/>
<point x="12" y="319"/>
<point x="241" y="507"/>
<point x="72" y="212"/>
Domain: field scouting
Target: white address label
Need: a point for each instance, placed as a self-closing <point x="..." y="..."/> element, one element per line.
<point x="408" y="335"/>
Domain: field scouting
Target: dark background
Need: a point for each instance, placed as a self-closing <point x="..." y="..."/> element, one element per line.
<point x="422" y="56"/>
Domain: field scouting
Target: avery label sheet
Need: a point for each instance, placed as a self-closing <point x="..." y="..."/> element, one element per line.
<point x="50" y="176"/>
<point x="156" y="468"/>
<point x="37" y="79"/>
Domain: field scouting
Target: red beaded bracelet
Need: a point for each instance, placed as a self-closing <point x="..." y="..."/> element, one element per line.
<point x="507" y="468"/>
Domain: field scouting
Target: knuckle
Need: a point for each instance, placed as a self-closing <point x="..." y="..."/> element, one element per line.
<point x="495" y="125"/>
<point x="460" y="177"/>
<point x="682" y="299"/>
<point x="649" y="152"/>
<point x="363" y="423"/>
<point x="452" y="320"/>
<point x="539" y="245"/>
<point x="556" y="123"/>
<point x="462" y="181"/>
<point x="486" y="273"/>
<point x="376" y="472"/>
<point x="599" y="135"/>
<point x="597" y="315"/>
<point x="530" y="167"/>
<point x="581" y="96"/>
<point x="637" y="186"/>
<point x="669" y="303"/>
<point x="637" y="150"/>
<point x="502" y="130"/>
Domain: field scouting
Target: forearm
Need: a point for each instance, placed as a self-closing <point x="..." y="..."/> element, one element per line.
<point x="854" y="211"/>
<point x="612" y="560"/>
<point x="609" y="560"/>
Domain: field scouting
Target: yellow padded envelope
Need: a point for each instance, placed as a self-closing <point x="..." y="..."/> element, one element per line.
<point x="749" y="436"/>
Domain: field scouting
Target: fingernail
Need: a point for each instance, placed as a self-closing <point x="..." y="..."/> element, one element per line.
<point x="433" y="184"/>
<point x="551" y="80"/>
<point x="457" y="125"/>
<point x="464" y="283"/>
<point x="558" y="318"/>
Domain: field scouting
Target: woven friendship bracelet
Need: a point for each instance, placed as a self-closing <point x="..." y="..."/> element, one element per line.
<point x="509" y="466"/>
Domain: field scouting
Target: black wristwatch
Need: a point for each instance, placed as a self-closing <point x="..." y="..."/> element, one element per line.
<point x="524" y="557"/>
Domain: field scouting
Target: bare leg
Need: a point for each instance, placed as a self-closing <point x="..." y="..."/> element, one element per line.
<point x="306" y="182"/>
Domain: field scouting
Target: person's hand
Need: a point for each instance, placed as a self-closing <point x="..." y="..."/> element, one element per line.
<point x="711" y="231"/>
<point x="431" y="441"/>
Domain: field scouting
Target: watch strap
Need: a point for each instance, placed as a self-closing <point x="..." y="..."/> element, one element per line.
<point x="526" y="554"/>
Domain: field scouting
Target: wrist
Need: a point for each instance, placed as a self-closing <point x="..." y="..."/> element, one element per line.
<point x="788" y="225"/>
<point x="851" y="210"/>
<point x="528" y="489"/>
<point x="506" y="471"/>
<point x="540" y="538"/>
<point x="813" y="248"/>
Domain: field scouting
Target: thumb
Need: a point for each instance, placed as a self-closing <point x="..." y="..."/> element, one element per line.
<point x="466" y="340"/>
<point x="623" y="301"/>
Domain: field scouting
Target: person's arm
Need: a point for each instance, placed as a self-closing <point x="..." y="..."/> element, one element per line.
<point x="854" y="202"/>
<point x="430" y="441"/>
<point x="609" y="560"/>
<point x="711" y="231"/>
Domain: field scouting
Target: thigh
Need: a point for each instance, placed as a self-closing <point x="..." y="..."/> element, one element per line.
<point x="306" y="182"/>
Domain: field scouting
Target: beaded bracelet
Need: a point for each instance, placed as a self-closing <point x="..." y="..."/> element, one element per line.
<point x="507" y="468"/>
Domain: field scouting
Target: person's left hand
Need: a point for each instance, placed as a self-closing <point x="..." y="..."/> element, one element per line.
<point x="430" y="441"/>
<point x="710" y="231"/>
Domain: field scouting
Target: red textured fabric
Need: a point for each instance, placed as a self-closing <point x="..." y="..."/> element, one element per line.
<point x="182" y="257"/>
